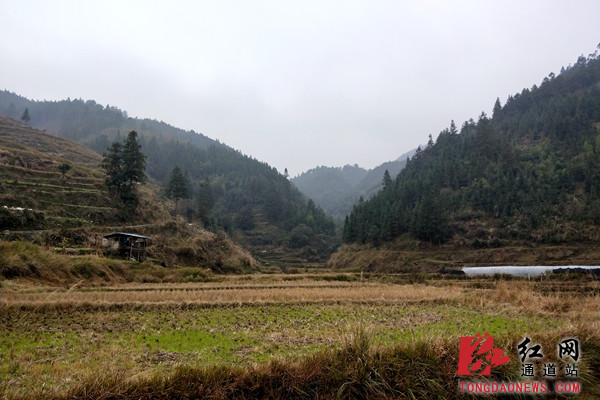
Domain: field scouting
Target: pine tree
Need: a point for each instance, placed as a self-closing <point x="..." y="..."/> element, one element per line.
<point x="25" y="117"/>
<point x="178" y="187"/>
<point x="112" y="165"/>
<point x="497" y="108"/>
<point x="134" y="161"/>
<point x="430" y="221"/>
<point x="204" y="201"/>
<point x="453" y="130"/>
<point x="387" y="179"/>
<point x="124" y="165"/>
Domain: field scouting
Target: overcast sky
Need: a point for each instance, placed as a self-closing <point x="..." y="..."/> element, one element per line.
<point x="294" y="83"/>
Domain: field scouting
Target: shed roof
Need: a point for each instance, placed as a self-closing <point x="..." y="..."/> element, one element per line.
<point x="117" y="234"/>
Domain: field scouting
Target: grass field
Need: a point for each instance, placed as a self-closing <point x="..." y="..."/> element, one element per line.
<point x="291" y="336"/>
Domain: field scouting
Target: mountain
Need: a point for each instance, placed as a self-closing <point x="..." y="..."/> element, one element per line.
<point x="72" y="210"/>
<point x="91" y="123"/>
<point x="338" y="189"/>
<point x="372" y="182"/>
<point x="333" y="189"/>
<point x="246" y="198"/>
<point x="529" y="175"/>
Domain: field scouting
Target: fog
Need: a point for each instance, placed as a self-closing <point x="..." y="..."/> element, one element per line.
<point x="295" y="84"/>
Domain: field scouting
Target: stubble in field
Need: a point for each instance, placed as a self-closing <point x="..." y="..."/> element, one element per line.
<point x="56" y="339"/>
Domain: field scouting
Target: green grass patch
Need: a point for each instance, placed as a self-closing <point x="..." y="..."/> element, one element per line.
<point x="77" y="205"/>
<point x="364" y="350"/>
<point x="342" y="348"/>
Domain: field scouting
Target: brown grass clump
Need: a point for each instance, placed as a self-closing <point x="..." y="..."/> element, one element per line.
<point x="35" y="263"/>
<point x="26" y="261"/>
<point x="201" y="248"/>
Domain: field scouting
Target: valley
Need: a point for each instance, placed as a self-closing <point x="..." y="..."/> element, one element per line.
<point x="250" y="288"/>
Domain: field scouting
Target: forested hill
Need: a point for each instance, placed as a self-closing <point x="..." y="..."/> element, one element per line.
<point x="337" y="189"/>
<point x="249" y="199"/>
<point x="528" y="174"/>
<point x="91" y="123"/>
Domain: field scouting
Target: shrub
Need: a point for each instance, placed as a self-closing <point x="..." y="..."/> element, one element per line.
<point x="85" y="269"/>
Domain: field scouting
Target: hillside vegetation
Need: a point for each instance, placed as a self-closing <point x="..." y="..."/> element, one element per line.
<point x="248" y="199"/>
<point x="529" y="175"/>
<point x="35" y="194"/>
<point x="63" y="218"/>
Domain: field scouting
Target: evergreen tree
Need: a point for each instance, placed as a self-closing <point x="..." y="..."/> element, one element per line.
<point x="25" y="117"/>
<point x="124" y="165"/>
<point x="204" y="201"/>
<point x="453" y="130"/>
<point x="497" y="108"/>
<point x="430" y="221"/>
<point x="387" y="179"/>
<point x="178" y="187"/>
<point x="245" y="219"/>
<point x="112" y="165"/>
<point x="134" y="161"/>
<point x="64" y="168"/>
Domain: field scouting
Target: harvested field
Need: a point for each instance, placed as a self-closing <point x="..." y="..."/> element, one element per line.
<point x="117" y="341"/>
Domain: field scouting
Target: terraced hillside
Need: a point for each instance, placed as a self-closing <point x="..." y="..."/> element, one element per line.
<point x="34" y="194"/>
<point x="74" y="209"/>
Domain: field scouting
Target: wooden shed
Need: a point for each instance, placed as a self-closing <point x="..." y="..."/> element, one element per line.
<point x="128" y="245"/>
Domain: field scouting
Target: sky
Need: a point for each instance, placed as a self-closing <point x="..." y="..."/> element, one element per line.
<point x="296" y="84"/>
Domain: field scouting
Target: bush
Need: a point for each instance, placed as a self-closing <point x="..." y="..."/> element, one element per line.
<point x="300" y="236"/>
<point x="85" y="269"/>
<point x="21" y="219"/>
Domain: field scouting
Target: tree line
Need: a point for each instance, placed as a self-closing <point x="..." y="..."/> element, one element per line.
<point x="225" y="189"/>
<point x="220" y="188"/>
<point x="530" y="172"/>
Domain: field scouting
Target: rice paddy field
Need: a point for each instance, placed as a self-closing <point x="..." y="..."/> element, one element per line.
<point x="287" y="336"/>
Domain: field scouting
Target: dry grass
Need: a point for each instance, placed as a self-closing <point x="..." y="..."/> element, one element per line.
<point x="212" y="294"/>
<point x="33" y="264"/>
<point x="412" y="256"/>
<point x="582" y="309"/>
<point x="302" y="338"/>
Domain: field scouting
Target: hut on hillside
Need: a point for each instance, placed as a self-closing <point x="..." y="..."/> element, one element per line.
<point x="128" y="245"/>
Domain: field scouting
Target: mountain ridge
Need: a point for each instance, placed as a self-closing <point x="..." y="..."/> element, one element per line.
<point x="338" y="189"/>
<point x="529" y="175"/>
<point x="249" y="200"/>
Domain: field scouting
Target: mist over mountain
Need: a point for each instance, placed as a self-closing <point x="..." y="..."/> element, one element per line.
<point x="338" y="189"/>
<point x="230" y="191"/>
<point x="91" y="123"/>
